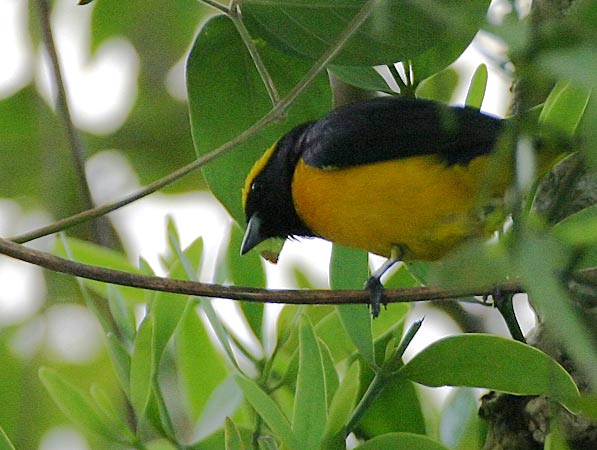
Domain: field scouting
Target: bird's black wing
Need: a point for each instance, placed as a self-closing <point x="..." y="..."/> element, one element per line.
<point x="388" y="128"/>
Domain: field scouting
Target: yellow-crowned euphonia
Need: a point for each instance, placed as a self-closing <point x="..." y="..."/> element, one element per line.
<point x="394" y="176"/>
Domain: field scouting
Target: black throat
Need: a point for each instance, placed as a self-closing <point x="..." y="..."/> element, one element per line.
<point x="271" y="192"/>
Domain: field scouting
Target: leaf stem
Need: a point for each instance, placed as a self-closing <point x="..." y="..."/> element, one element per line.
<point x="216" y="5"/>
<point x="237" y="19"/>
<point x="382" y="376"/>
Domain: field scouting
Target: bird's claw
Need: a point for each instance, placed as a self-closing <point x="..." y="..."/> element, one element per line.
<point x="503" y="302"/>
<point x="375" y="288"/>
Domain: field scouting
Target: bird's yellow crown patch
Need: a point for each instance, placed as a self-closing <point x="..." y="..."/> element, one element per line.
<point x="256" y="170"/>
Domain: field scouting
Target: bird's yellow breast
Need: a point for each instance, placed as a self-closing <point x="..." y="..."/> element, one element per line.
<point x="418" y="203"/>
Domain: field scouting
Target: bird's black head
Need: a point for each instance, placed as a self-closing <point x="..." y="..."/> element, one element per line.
<point x="267" y="195"/>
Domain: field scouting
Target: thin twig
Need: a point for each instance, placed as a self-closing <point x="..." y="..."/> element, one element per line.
<point x="236" y="17"/>
<point x="216" y="5"/>
<point x="74" y="138"/>
<point x="100" y="231"/>
<point x="273" y="115"/>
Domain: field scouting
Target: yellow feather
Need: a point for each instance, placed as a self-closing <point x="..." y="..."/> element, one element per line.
<point x="419" y="203"/>
<point x="256" y="170"/>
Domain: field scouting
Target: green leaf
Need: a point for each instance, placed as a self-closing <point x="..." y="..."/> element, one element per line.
<point x="200" y="365"/>
<point x="555" y="439"/>
<point x="356" y="320"/>
<point x="587" y="405"/>
<point x="344" y="401"/>
<point x="439" y="87"/>
<point x="578" y="228"/>
<point x="366" y="78"/>
<point x="31" y="398"/>
<point x="160" y="444"/>
<point x="121" y="360"/>
<point x="142" y="368"/>
<point x="391" y="319"/>
<point x="490" y="266"/>
<point x="310" y="404"/>
<point x="217" y="440"/>
<point x="349" y="269"/>
<point x="190" y="270"/>
<point x="136" y="19"/>
<point x="565" y="107"/>
<point x="77" y="406"/>
<point x="439" y="57"/>
<point x="476" y="89"/>
<point x="173" y="235"/>
<point x="461" y="427"/>
<point x="588" y="134"/>
<point x="122" y="312"/>
<point x="267" y="443"/>
<point x="269" y="411"/>
<point x="398" y="408"/>
<point x="223" y="401"/>
<point x="394" y="31"/>
<point x="187" y="263"/>
<point x="219" y="114"/>
<point x="329" y="371"/>
<point x="193" y="257"/>
<point x="332" y="332"/>
<point x="110" y="414"/>
<point x="401" y="441"/>
<point x="246" y="270"/>
<point x="232" y="436"/>
<point x="5" y="443"/>
<point x="166" y="311"/>
<point x="492" y="362"/>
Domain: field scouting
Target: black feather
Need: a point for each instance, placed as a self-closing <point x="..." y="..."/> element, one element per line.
<point x="388" y="128"/>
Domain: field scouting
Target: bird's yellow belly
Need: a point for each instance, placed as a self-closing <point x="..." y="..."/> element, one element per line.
<point x="417" y="203"/>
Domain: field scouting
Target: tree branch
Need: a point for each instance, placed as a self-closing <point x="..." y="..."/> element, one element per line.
<point x="287" y="296"/>
<point x="62" y="108"/>
<point x="100" y="232"/>
<point x="290" y="296"/>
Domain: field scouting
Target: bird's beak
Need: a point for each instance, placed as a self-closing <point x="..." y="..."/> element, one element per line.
<point x="253" y="235"/>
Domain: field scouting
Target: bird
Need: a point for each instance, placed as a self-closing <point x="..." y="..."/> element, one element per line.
<point x="396" y="176"/>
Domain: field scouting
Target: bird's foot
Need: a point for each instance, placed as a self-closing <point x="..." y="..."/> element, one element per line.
<point x="375" y="288"/>
<point x="505" y="305"/>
